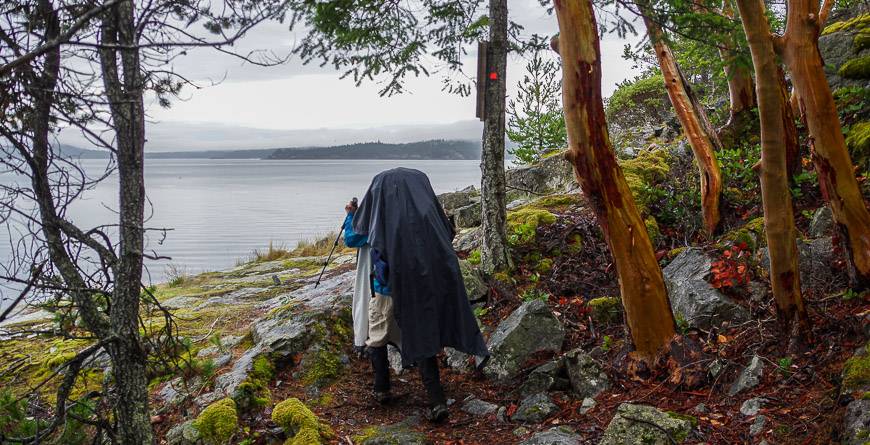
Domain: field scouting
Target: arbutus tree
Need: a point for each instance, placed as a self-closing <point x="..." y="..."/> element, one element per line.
<point x="647" y="309"/>
<point x="778" y="211"/>
<point x="693" y="119"/>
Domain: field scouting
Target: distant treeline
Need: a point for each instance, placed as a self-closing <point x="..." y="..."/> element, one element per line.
<point x="434" y="149"/>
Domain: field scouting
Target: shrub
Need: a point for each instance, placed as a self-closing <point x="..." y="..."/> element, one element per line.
<point x="218" y="422"/>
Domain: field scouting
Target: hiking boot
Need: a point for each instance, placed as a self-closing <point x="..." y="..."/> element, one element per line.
<point x="383" y="397"/>
<point x="438" y="413"/>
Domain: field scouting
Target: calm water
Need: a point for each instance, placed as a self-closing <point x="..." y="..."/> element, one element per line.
<point x="221" y="210"/>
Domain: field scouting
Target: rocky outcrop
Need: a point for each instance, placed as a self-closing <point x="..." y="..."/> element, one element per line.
<point x="530" y="329"/>
<point x="693" y="298"/>
<point x="822" y="222"/>
<point x="856" y="423"/>
<point x="838" y="45"/>
<point x="645" y="425"/>
<point x="816" y="264"/>
<point x="475" y="287"/>
<point x="550" y="175"/>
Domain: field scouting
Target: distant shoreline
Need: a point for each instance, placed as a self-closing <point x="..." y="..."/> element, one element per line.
<point x="423" y="150"/>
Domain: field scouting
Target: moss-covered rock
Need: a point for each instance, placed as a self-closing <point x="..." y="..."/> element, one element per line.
<point x="322" y="368"/>
<point x="253" y="393"/>
<point x="523" y="224"/>
<point x="858" y="142"/>
<point x="856" y="371"/>
<point x="300" y="423"/>
<point x="751" y="233"/>
<point x="645" y="425"/>
<point x="643" y="172"/>
<point x="605" y="309"/>
<point x="218" y="422"/>
<point x="858" y="68"/>
<point x="398" y="434"/>
<point x="860" y="22"/>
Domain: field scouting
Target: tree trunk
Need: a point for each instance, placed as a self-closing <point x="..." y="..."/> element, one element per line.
<point x="647" y="309"/>
<point x="494" y="248"/>
<point x="790" y="132"/>
<point x="693" y="119"/>
<point x="741" y="88"/>
<point x="778" y="212"/>
<point x="125" y="92"/>
<point x="800" y="53"/>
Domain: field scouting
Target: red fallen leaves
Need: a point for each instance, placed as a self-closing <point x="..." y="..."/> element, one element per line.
<point x="731" y="270"/>
<point x="511" y="409"/>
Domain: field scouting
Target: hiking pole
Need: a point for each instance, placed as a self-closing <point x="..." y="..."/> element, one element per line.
<point x="334" y="245"/>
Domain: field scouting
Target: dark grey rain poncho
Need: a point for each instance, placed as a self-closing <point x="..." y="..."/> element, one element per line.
<point x="405" y="222"/>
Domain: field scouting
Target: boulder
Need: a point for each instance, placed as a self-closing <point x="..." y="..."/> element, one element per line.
<point x="535" y="409"/>
<point x="475" y="287"/>
<point x="183" y="434"/>
<point x="550" y="376"/>
<point x="839" y="47"/>
<point x="822" y="222"/>
<point x="399" y="433"/>
<point x="477" y="407"/>
<point x="554" y="436"/>
<point x="453" y="200"/>
<point x="816" y="258"/>
<point x="645" y="425"/>
<point x="549" y="175"/>
<point x="530" y="329"/>
<point x="585" y="374"/>
<point x="468" y="216"/>
<point x="693" y="298"/>
<point x="758" y="426"/>
<point x="856" y="423"/>
<point x="749" y="377"/>
<point x="467" y="240"/>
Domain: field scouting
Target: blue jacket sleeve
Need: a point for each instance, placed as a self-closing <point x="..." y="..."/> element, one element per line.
<point x="352" y="239"/>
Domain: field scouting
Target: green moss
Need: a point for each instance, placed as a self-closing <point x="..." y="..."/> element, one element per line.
<point x="858" y="142"/>
<point x="686" y="417"/>
<point x="575" y="243"/>
<point x="652" y="229"/>
<point x="751" y="233"/>
<point x="366" y="434"/>
<point x="605" y="309"/>
<point x="253" y="394"/>
<point x="218" y="422"/>
<point x="674" y="252"/>
<point x="860" y="22"/>
<point x="858" y="68"/>
<point x="300" y="423"/>
<point x="324" y="368"/>
<point x="637" y="102"/>
<point x="474" y="257"/>
<point x="861" y="41"/>
<point x="523" y="224"/>
<point x="643" y="172"/>
<point x="555" y="202"/>
<point x="544" y="266"/>
<point x="856" y="371"/>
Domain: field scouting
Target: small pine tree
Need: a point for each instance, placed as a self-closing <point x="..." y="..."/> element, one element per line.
<point x="535" y="120"/>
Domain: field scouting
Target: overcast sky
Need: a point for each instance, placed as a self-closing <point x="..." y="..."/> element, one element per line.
<point x="297" y="105"/>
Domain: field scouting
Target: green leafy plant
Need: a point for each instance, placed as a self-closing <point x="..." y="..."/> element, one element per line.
<point x="606" y="343"/>
<point x="535" y="121"/>
<point x="534" y="293"/>
<point x="784" y="365"/>
<point x="474" y="257"/>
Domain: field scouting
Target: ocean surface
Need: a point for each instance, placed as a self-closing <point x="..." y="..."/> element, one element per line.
<point x="221" y="210"/>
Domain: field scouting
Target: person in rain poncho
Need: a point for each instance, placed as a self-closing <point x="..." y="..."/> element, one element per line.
<point x="419" y="297"/>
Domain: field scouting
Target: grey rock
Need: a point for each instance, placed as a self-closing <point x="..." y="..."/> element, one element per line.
<point x="399" y="433"/>
<point x="758" y="292"/>
<point x="837" y="48"/>
<point x="758" y="426"/>
<point x="822" y="222"/>
<point x="479" y="407"/>
<point x="715" y="368"/>
<point x="749" y="377"/>
<point x="457" y="360"/>
<point x="230" y="298"/>
<point x="475" y="287"/>
<point x="517" y="203"/>
<point x="535" y="409"/>
<point x="544" y="378"/>
<point x="228" y="382"/>
<point x="468" y="216"/>
<point x="693" y="298"/>
<point x="633" y="425"/>
<point x="222" y="360"/>
<point x="552" y="174"/>
<point x="467" y="240"/>
<point x="180" y="302"/>
<point x="395" y="359"/>
<point x="521" y="431"/>
<point x="501" y="414"/>
<point x="172" y="392"/>
<point x="700" y="409"/>
<point x="453" y="200"/>
<point x="751" y="406"/>
<point x="585" y="374"/>
<point x="816" y="258"/>
<point x="530" y="329"/>
<point x="554" y="436"/>
<point x="208" y="398"/>
<point x="856" y="423"/>
<point x="587" y="404"/>
<point x="183" y="434"/>
<point x="227" y="342"/>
